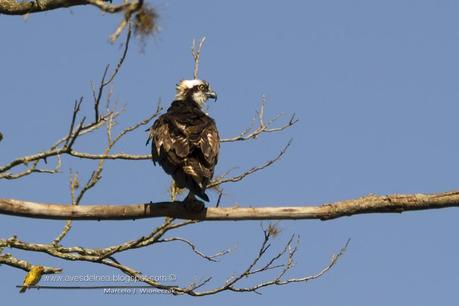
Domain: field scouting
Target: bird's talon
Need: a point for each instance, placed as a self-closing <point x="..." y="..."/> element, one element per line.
<point x="194" y="206"/>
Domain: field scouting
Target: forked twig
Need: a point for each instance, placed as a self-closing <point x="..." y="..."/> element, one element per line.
<point x="196" y="53"/>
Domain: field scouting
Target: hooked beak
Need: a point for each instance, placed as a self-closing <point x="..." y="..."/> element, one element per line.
<point x="212" y="95"/>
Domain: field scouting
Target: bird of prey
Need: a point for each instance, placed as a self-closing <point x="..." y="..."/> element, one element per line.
<point x="32" y="278"/>
<point x="185" y="140"/>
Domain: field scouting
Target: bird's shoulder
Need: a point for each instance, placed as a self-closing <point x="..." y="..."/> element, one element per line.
<point x="185" y="117"/>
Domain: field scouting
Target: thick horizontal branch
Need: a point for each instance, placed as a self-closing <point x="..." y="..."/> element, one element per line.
<point x="395" y="203"/>
<point x="13" y="7"/>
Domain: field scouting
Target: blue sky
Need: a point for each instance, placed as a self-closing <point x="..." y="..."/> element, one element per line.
<point x="374" y="84"/>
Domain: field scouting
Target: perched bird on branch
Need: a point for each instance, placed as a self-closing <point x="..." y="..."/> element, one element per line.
<point x="185" y="140"/>
<point x="32" y="278"/>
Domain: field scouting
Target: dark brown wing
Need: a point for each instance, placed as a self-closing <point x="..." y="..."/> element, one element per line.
<point x="186" y="145"/>
<point x="209" y="145"/>
<point x="169" y="144"/>
<point x="205" y="145"/>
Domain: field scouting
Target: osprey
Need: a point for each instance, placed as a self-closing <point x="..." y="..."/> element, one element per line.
<point x="185" y="140"/>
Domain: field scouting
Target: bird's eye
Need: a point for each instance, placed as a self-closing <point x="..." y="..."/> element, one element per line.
<point x="202" y="87"/>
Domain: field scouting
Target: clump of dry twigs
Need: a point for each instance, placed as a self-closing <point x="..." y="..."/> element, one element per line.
<point x="145" y="22"/>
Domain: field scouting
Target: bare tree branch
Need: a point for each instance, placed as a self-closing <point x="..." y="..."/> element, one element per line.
<point x="286" y="267"/>
<point x="104" y="83"/>
<point x="94" y="254"/>
<point x="65" y="145"/>
<point x="263" y="127"/>
<point x="33" y="169"/>
<point x="12" y="261"/>
<point x="74" y="185"/>
<point x="221" y="180"/>
<point x="13" y="7"/>
<point x="195" y="249"/>
<point x="196" y="53"/>
<point x="395" y="203"/>
<point x="128" y="8"/>
<point x="105" y="257"/>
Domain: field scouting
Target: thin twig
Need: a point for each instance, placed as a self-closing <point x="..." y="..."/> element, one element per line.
<point x="221" y="180"/>
<point x="262" y="128"/>
<point x="196" y="53"/>
<point x="195" y="249"/>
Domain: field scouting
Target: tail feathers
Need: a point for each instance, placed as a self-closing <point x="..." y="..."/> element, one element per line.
<point x="23" y="289"/>
<point x="198" y="188"/>
<point x="203" y="196"/>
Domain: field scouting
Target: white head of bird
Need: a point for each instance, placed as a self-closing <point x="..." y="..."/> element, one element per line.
<point x="197" y="90"/>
